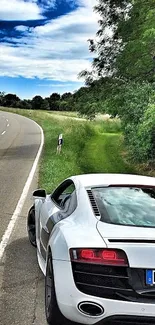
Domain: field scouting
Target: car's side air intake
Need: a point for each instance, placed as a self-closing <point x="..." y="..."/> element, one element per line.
<point x="93" y="203"/>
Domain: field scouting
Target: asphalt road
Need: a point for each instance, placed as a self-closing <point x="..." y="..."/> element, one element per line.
<point x="21" y="282"/>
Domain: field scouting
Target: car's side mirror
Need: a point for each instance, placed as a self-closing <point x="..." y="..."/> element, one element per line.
<point x="40" y="193"/>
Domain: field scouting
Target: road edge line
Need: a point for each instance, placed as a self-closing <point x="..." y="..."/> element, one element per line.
<point x="19" y="206"/>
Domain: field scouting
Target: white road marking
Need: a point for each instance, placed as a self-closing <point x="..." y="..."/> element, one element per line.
<point x="8" y="125"/>
<point x="8" y="232"/>
<point x="3" y="132"/>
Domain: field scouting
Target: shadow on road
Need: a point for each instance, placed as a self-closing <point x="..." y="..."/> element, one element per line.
<point x="21" y="278"/>
<point x="20" y="152"/>
<point x="23" y="287"/>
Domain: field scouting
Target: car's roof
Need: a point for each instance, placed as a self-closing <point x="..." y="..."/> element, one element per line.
<point x="93" y="180"/>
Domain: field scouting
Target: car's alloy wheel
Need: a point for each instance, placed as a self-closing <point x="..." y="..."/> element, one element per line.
<point x="53" y="314"/>
<point x="31" y="227"/>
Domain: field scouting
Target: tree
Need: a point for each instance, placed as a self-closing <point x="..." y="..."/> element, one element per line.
<point x="63" y="106"/>
<point x="125" y="43"/>
<point x="45" y="105"/>
<point x="108" y="42"/>
<point x="10" y="100"/>
<point x="66" y="96"/>
<point x="27" y="104"/>
<point x="137" y="60"/>
<point x="54" y="101"/>
<point x="55" y="97"/>
<point x="2" y="94"/>
<point x="37" y="102"/>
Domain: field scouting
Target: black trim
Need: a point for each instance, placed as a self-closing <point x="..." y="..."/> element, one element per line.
<point x="140" y="241"/>
<point x="127" y="320"/>
<point x="41" y="193"/>
<point x="50" y="224"/>
<point x="45" y="237"/>
<point x="113" y="282"/>
<point x="59" y="190"/>
<point x="93" y="203"/>
<point x="43" y="251"/>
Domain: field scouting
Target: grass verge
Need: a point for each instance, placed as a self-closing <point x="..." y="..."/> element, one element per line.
<point x="64" y="113"/>
<point x="104" y="154"/>
<point x="87" y="148"/>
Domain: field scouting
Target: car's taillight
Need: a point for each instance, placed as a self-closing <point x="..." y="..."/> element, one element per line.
<point x="99" y="256"/>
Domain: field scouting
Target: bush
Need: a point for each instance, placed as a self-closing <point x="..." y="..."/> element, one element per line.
<point x="141" y="138"/>
<point x="109" y="126"/>
<point x="138" y="122"/>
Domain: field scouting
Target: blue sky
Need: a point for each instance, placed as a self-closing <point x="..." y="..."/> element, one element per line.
<point x="44" y="45"/>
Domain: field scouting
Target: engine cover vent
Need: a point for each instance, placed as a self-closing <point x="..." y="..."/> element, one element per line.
<point x="93" y="203"/>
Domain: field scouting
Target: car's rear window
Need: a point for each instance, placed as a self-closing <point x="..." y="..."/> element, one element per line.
<point x="129" y="206"/>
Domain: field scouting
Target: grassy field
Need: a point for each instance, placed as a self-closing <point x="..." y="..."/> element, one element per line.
<point x="64" y="113"/>
<point x="89" y="147"/>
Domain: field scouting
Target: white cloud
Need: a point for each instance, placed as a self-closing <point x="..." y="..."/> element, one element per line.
<point x="15" y="64"/>
<point x="56" y="51"/>
<point x="80" y="21"/>
<point x="21" y="28"/>
<point x="19" y="10"/>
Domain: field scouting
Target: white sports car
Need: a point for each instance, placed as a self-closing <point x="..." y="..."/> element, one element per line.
<point x="95" y="238"/>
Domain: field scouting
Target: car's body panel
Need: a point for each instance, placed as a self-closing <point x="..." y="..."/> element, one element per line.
<point x="110" y="231"/>
<point x="140" y="254"/>
<point x="96" y="180"/>
<point x="68" y="302"/>
<point x="58" y="230"/>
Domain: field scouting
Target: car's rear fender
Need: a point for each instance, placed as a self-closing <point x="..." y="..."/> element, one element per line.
<point x="66" y="235"/>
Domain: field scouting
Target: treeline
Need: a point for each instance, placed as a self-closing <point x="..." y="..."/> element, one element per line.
<point x="54" y="102"/>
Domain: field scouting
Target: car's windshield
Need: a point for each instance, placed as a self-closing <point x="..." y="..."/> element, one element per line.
<point x="128" y="206"/>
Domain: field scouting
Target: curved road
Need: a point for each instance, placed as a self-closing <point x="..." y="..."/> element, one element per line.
<point x="19" y="143"/>
<point x="21" y="282"/>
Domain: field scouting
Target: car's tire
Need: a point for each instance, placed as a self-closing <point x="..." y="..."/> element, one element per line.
<point x="31" y="226"/>
<point x="53" y="314"/>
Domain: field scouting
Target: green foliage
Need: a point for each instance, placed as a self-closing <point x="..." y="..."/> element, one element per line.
<point x="135" y="100"/>
<point x="55" y="97"/>
<point x="66" y="96"/>
<point x="125" y="43"/>
<point x="2" y="94"/>
<point x="63" y="106"/>
<point x="138" y="122"/>
<point x="129" y="55"/>
<point x="109" y="126"/>
<point x="142" y="141"/>
<point x="25" y="104"/>
<point x="108" y="43"/>
<point x="137" y="60"/>
<point x="45" y="105"/>
<point x="54" y="101"/>
<point x="10" y="100"/>
<point x="37" y="102"/>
